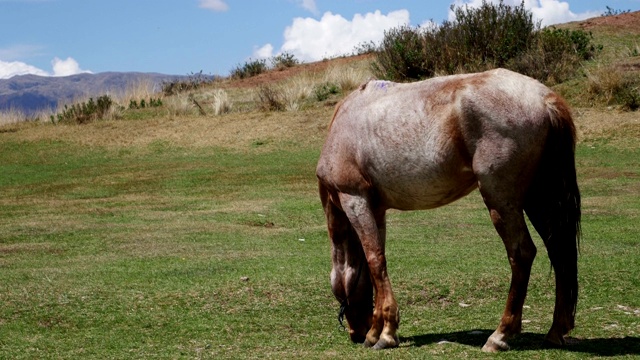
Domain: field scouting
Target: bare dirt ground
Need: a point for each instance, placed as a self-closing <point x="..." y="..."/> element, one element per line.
<point x="628" y="22"/>
<point x="276" y="76"/>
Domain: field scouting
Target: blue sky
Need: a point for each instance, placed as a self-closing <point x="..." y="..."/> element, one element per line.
<point x="63" y="37"/>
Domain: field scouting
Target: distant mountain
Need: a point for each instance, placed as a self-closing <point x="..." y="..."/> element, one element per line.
<point x="32" y="93"/>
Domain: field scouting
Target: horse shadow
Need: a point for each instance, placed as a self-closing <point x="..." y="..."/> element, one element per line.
<point x="604" y="347"/>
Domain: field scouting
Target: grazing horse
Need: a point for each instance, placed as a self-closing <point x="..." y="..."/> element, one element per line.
<point x="425" y="144"/>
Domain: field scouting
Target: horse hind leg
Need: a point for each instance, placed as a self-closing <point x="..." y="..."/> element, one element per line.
<point x="350" y="280"/>
<point x="369" y="224"/>
<point x="508" y="219"/>
<point x="562" y="251"/>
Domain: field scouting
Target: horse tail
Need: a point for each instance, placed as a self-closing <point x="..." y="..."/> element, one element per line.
<point x="553" y="206"/>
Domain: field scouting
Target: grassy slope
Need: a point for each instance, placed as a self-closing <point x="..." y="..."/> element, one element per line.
<point x="620" y="56"/>
<point x="201" y="237"/>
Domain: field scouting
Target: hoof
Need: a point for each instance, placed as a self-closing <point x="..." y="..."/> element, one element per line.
<point x="368" y="343"/>
<point x="494" y="346"/>
<point x="554" y="339"/>
<point x="388" y="343"/>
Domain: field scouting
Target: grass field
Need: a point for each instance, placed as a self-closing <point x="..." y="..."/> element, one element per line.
<point x="178" y="239"/>
<point x="182" y="236"/>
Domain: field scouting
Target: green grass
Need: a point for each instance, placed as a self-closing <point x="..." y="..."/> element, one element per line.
<point x="162" y="251"/>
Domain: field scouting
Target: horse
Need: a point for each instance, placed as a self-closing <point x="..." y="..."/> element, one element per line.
<point x="421" y="145"/>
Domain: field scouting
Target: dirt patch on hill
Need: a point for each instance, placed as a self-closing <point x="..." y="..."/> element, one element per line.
<point x="274" y="76"/>
<point x="629" y="22"/>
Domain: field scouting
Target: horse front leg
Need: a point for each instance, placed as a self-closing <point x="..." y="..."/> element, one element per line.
<point x="369" y="224"/>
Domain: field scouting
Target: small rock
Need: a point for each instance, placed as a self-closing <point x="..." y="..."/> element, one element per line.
<point x="244" y="278"/>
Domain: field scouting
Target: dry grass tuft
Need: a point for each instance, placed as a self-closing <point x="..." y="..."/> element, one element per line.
<point x="11" y="116"/>
<point x="347" y="77"/>
<point x="287" y="95"/>
<point x="14" y="116"/>
<point x="221" y="103"/>
<point x="138" y="90"/>
<point x="612" y="85"/>
<point x="179" y="105"/>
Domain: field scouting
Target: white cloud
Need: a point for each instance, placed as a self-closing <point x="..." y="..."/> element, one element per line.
<point x="215" y="5"/>
<point x="13" y="68"/>
<point x="60" y="68"/>
<point x="309" y="5"/>
<point x="264" y="52"/>
<point x="548" y="11"/>
<point x="66" y="67"/>
<point x="309" y="39"/>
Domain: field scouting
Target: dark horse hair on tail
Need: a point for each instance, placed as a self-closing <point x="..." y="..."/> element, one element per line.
<point x="561" y="153"/>
<point x="562" y="231"/>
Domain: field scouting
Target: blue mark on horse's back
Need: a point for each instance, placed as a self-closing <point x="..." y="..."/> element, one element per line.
<point x="382" y="85"/>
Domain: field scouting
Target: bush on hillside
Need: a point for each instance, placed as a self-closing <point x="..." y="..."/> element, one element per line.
<point x="493" y="35"/>
<point x="192" y="82"/>
<point x="555" y="55"/>
<point x="249" y="69"/>
<point x="85" y="111"/>
<point x="143" y="103"/>
<point x="270" y="98"/>
<point x="283" y="61"/>
<point x="614" y="12"/>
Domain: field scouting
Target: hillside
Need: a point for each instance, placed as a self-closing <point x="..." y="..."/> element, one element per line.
<point x="32" y="93"/>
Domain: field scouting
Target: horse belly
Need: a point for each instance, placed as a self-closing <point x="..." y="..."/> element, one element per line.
<point x="417" y="185"/>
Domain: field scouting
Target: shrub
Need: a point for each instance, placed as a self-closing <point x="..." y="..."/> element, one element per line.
<point x="152" y="102"/>
<point x="477" y="39"/>
<point x="324" y="90"/>
<point x="613" y="12"/>
<point x="366" y="47"/>
<point x="283" y="61"/>
<point x="493" y="35"/>
<point x="555" y="55"/>
<point x="192" y="82"/>
<point x="85" y="111"/>
<point x="270" y="98"/>
<point x="401" y="55"/>
<point x="249" y="69"/>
